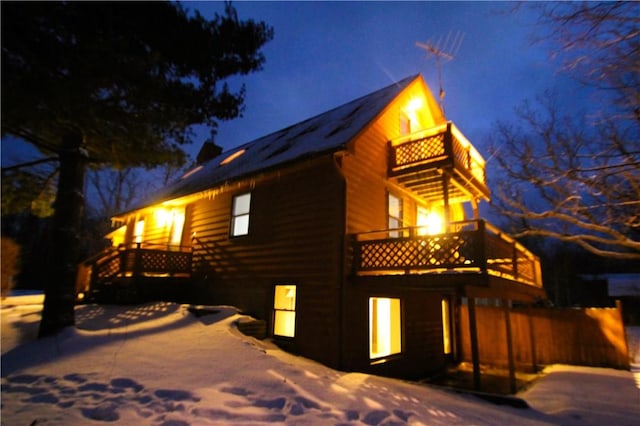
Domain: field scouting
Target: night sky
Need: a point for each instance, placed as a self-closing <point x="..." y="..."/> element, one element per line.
<point x="325" y="54"/>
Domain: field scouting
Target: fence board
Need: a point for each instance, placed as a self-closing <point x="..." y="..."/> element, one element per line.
<point x="586" y="336"/>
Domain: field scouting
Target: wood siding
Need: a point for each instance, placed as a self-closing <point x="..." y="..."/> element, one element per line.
<point x="422" y="335"/>
<point x="295" y="237"/>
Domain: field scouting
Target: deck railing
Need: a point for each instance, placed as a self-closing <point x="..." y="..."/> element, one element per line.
<point x="437" y="145"/>
<point x="134" y="260"/>
<point x="469" y="246"/>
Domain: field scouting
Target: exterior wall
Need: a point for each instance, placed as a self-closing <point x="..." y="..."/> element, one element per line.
<point x="365" y="170"/>
<point x="295" y="237"/>
<point x="422" y="333"/>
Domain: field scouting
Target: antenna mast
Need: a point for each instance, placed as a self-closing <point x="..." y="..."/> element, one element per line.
<point x="441" y="49"/>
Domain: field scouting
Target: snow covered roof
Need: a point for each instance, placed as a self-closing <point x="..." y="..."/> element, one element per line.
<point x="327" y="132"/>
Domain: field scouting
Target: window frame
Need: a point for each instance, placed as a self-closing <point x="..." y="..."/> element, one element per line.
<point x="291" y="311"/>
<point x="396" y="348"/>
<point x="399" y="219"/>
<point x="236" y="215"/>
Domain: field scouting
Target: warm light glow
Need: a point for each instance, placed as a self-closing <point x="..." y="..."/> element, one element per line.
<point x="232" y="157"/>
<point x="430" y="223"/>
<point x="177" y="218"/>
<point x="138" y="231"/>
<point x="414" y="105"/>
<point x="284" y="305"/>
<point x="163" y="218"/>
<point x="446" y="326"/>
<point x="192" y="171"/>
<point x="384" y="327"/>
<point x="117" y="236"/>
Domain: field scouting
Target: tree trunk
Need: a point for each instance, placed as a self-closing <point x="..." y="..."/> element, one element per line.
<point x="58" y="311"/>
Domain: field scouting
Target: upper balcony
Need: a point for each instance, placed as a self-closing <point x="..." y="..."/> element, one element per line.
<point x="473" y="246"/>
<point x="438" y="162"/>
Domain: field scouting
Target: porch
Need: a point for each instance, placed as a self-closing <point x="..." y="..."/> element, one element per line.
<point x="134" y="264"/>
<point x="470" y="247"/>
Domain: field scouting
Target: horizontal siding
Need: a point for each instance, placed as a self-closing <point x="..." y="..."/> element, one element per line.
<point x="295" y="237"/>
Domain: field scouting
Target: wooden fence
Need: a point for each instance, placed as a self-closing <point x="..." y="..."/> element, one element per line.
<point x="541" y="336"/>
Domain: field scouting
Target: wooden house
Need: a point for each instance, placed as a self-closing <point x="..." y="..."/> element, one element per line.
<point x="354" y="234"/>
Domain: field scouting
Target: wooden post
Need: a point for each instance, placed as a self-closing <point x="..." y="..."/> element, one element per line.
<point x="532" y="338"/>
<point x="445" y="194"/>
<point x="512" y="367"/>
<point x="476" y="210"/>
<point x="473" y="335"/>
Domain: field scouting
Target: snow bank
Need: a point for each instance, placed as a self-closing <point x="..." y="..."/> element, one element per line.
<point x="159" y="364"/>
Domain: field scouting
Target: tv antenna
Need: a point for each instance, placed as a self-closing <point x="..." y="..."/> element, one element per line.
<point x="443" y="48"/>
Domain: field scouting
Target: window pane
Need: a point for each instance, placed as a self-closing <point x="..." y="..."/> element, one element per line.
<point x="138" y="231"/>
<point x="395" y="206"/>
<point x="177" y="227"/>
<point x="240" y="225"/>
<point x="241" y="204"/>
<point x="285" y="297"/>
<point x="284" y="304"/>
<point x="384" y="327"/>
<point x="284" y="323"/>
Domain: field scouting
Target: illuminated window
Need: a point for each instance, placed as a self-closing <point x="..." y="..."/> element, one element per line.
<point x="446" y="325"/>
<point x="177" y="225"/>
<point x="240" y="215"/>
<point x="405" y="124"/>
<point x="384" y="327"/>
<point x="138" y="231"/>
<point x="394" y="209"/>
<point x="284" y="307"/>
<point x="232" y="157"/>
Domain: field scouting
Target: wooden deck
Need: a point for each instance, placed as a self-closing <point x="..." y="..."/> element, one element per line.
<point x="126" y="263"/>
<point x="470" y="247"/>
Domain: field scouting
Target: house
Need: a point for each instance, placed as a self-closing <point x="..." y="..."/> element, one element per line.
<point x="354" y="234"/>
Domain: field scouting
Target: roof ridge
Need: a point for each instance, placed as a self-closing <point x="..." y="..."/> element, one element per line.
<point x="399" y="83"/>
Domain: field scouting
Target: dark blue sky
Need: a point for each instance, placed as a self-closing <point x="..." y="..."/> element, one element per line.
<point x="327" y="53"/>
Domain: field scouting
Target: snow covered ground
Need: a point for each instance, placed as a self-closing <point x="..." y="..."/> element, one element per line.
<point x="158" y="364"/>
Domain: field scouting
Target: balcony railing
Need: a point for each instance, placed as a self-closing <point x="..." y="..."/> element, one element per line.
<point x="132" y="261"/>
<point x="439" y="146"/>
<point x="471" y="246"/>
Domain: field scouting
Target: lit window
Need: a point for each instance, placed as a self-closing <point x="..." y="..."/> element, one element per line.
<point x="384" y="327"/>
<point x="191" y="172"/>
<point x="446" y="326"/>
<point x="232" y="157"/>
<point x="284" y="306"/>
<point x="240" y="214"/>
<point x="177" y="225"/>
<point x="394" y="208"/>
<point x="405" y="125"/>
<point x="138" y="231"/>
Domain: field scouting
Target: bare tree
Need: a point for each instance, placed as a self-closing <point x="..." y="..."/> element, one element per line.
<point x="575" y="176"/>
<point x="599" y="44"/>
<point x="570" y="181"/>
<point x="117" y="190"/>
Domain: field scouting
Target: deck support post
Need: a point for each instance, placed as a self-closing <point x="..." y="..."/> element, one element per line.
<point x="473" y="335"/>
<point x="512" y="367"/>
